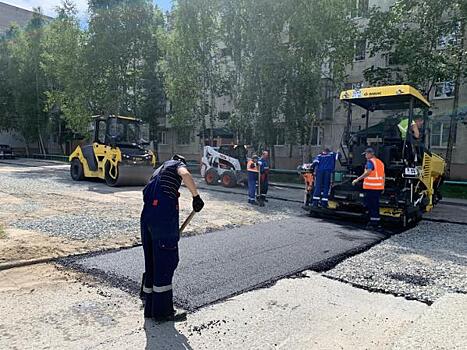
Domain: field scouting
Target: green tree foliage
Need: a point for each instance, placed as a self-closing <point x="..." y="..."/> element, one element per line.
<point x="121" y="55"/>
<point x="55" y="75"/>
<point x="65" y="68"/>
<point x="425" y="41"/>
<point x="421" y="40"/>
<point x="25" y="82"/>
<point x="193" y="71"/>
<point x="278" y="52"/>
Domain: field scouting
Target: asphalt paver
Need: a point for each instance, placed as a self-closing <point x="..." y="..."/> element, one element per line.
<point x="221" y="264"/>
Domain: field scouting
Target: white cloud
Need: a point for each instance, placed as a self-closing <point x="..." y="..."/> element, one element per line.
<point x="48" y="6"/>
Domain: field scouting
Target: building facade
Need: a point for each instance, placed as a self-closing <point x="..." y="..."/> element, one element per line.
<point x="11" y="14"/>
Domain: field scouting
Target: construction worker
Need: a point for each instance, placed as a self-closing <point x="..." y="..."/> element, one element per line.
<point x="325" y="164"/>
<point x="264" y="162"/>
<point x="373" y="185"/>
<point x="160" y="236"/>
<point x="253" y="168"/>
<point x="309" y="178"/>
<point x="415" y="145"/>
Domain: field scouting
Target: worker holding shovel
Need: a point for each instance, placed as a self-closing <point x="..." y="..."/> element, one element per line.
<point x="160" y="235"/>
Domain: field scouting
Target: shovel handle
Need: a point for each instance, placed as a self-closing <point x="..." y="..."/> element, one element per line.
<point x="187" y="221"/>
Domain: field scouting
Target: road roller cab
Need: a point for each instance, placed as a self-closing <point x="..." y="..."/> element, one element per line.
<point x="413" y="174"/>
<point x="117" y="153"/>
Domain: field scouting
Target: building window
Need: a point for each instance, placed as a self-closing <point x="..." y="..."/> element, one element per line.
<point x="444" y="89"/>
<point x="439" y="134"/>
<point x="359" y="8"/>
<point x="452" y="38"/>
<point x="183" y="136"/>
<point x="162" y="137"/>
<point x="316" y="136"/>
<point x="360" y="50"/>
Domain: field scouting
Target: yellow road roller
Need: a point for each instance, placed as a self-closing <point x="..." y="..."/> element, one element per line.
<point x="118" y="153"/>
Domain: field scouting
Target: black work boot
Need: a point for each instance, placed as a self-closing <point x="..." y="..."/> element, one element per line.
<point x="176" y="316"/>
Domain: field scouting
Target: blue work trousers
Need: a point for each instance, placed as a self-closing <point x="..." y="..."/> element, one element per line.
<point x="252" y="181"/>
<point x="264" y="183"/>
<point x="160" y="261"/>
<point x="372" y="204"/>
<point x="322" y="184"/>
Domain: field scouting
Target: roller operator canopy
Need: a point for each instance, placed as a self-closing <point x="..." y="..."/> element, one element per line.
<point x="390" y="97"/>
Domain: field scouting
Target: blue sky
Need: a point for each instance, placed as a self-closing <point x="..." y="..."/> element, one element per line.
<point x="48" y="6"/>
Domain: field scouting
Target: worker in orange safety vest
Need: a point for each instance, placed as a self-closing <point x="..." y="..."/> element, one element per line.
<point x="373" y="185"/>
<point x="253" y="168"/>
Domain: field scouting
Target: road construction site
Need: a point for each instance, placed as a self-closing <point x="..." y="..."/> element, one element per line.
<point x="252" y="277"/>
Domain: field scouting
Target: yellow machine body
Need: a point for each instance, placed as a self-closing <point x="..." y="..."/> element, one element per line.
<point x="110" y="162"/>
<point x="413" y="178"/>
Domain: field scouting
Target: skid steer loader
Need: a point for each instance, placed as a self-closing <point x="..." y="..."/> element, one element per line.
<point x="117" y="153"/>
<point x="225" y="164"/>
<point x="413" y="174"/>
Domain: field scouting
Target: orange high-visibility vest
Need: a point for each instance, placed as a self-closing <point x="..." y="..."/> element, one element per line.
<point x="249" y="167"/>
<point x="375" y="181"/>
<point x="309" y="178"/>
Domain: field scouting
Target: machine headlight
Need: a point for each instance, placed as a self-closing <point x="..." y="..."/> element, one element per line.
<point x="126" y="156"/>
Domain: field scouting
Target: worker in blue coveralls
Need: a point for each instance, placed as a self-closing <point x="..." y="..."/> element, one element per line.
<point x="325" y="164"/>
<point x="253" y="168"/>
<point x="160" y="236"/>
<point x="264" y="169"/>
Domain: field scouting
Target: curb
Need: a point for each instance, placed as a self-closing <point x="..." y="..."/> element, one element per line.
<point x="22" y="263"/>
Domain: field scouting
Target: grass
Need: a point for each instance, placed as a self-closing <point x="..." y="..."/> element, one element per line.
<point x="454" y="191"/>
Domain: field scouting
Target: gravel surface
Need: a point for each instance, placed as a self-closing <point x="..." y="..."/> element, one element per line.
<point x="423" y="263"/>
<point x="81" y="227"/>
<point x="42" y="199"/>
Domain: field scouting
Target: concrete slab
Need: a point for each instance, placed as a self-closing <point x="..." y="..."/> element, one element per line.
<point x="220" y="264"/>
<point x="442" y="326"/>
<point x="52" y="309"/>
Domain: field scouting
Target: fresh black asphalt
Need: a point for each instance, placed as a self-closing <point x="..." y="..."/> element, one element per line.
<point x="220" y="264"/>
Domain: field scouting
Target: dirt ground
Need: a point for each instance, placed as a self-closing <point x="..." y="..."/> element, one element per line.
<point x="44" y="214"/>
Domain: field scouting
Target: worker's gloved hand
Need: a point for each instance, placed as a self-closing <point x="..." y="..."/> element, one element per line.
<point x="354" y="182"/>
<point x="198" y="203"/>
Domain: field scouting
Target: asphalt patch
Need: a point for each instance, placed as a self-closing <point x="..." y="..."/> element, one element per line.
<point x="221" y="264"/>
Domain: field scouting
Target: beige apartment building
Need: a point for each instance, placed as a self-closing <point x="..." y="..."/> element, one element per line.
<point x="330" y="127"/>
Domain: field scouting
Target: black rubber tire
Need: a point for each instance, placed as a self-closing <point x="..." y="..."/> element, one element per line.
<point x="211" y="177"/>
<point x="76" y="170"/>
<point x="229" y="179"/>
<point x="108" y="179"/>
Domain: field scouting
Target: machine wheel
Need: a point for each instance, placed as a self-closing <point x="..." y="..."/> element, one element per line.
<point x="211" y="177"/>
<point x="76" y="170"/>
<point x="108" y="179"/>
<point x="228" y="179"/>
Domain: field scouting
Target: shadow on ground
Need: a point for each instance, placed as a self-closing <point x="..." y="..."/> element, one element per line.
<point x="162" y="336"/>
